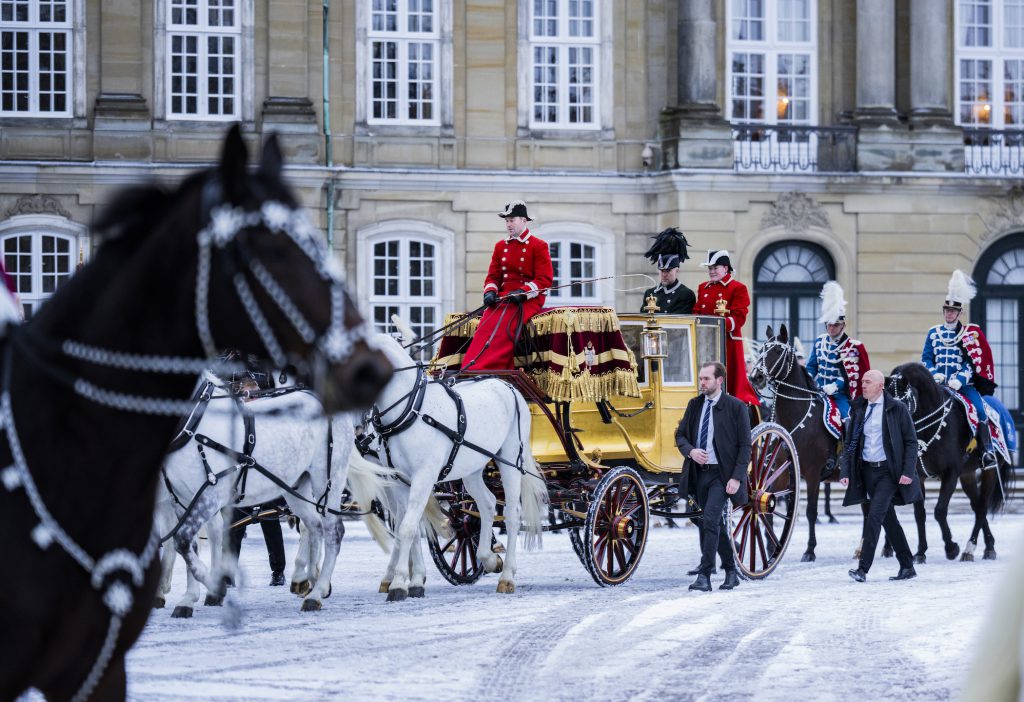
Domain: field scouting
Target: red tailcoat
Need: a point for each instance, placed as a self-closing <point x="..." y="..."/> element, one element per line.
<point x="980" y="353"/>
<point x="737" y="302"/>
<point x="518" y="263"/>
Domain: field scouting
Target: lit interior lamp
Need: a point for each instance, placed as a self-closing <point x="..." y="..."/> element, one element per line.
<point x="783" y="106"/>
<point x="984" y="113"/>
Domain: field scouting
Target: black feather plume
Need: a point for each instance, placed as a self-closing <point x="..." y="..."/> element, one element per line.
<point x="668" y="243"/>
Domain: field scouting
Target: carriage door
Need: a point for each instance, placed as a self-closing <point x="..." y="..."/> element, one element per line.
<point x="998" y="309"/>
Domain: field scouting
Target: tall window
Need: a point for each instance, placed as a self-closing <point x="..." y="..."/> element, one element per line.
<point x="36" y="38"/>
<point x="203" y="59"/>
<point x="772" y="52"/>
<point x="575" y="267"/>
<point x="40" y="253"/>
<point x="565" y="75"/>
<point x="990" y="63"/>
<point x="404" y="38"/>
<point x="788" y="277"/>
<point x="999" y="309"/>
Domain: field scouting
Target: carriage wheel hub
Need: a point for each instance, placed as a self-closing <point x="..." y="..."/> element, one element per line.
<point x="623" y="527"/>
<point x="765" y="502"/>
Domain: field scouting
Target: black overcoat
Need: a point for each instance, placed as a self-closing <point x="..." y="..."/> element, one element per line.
<point x="678" y="299"/>
<point x="731" y="441"/>
<point x="900" y="443"/>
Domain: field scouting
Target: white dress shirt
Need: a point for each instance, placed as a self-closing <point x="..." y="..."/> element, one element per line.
<point x="872" y="448"/>
<point x="709" y="404"/>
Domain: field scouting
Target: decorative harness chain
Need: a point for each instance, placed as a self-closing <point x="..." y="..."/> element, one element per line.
<point x="936" y="418"/>
<point x="780" y="369"/>
<point x="335" y="345"/>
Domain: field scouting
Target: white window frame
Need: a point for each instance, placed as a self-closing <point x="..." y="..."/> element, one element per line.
<point x="602" y="45"/>
<point x="37" y="225"/>
<point x="771" y="48"/>
<point x="405" y="231"/>
<point x="996" y="54"/>
<point x="603" y="241"/>
<point x="74" y="28"/>
<point x="442" y="37"/>
<point x="244" y="78"/>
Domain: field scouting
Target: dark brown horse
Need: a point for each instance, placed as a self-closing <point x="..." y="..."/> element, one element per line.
<point x="94" y="384"/>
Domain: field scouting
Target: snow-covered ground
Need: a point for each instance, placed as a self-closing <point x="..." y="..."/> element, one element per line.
<point x="806" y="632"/>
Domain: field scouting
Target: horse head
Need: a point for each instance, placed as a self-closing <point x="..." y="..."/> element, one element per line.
<point x="912" y="384"/>
<point x="776" y="360"/>
<point x="265" y="281"/>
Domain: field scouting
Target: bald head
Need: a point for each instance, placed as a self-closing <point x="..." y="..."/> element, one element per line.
<point x="873" y="383"/>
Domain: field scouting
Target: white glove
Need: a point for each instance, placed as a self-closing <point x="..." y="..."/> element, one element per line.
<point x="939" y="378"/>
<point x="955" y="384"/>
<point x="830" y="388"/>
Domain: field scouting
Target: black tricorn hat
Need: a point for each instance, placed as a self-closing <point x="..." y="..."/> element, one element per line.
<point x="718" y="258"/>
<point x="516" y="208"/>
<point x="668" y="249"/>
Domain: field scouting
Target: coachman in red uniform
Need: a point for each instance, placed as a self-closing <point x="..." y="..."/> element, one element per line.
<point x="515" y="289"/>
<point x="724" y="296"/>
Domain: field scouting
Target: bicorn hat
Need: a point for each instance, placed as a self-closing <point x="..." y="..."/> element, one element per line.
<point x="961" y="290"/>
<point x="516" y="208"/>
<point x="718" y="258"/>
<point x="668" y="249"/>
<point x="833" y="306"/>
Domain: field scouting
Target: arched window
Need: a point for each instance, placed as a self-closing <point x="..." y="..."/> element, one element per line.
<point x="998" y="309"/>
<point x="40" y="253"/>
<point x="788" y="277"/>
<point x="405" y="268"/>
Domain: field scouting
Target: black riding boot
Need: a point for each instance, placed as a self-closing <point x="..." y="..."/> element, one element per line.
<point x="988" y="455"/>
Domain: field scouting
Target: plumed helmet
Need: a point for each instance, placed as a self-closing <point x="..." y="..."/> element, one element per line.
<point x="961" y="290"/>
<point x="833" y="306"/>
<point x="668" y="250"/>
<point x="516" y="208"/>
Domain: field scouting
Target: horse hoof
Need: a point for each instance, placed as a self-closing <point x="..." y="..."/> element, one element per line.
<point x="497" y="547"/>
<point x="294" y="588"/>
<point x="498" y="565"/>
<point x="920" y="558"/>
<point x="385" y="585"/>
<point x="416" y="591"/>
<point x="506" y="587"/>
<point x="952" y="551"/>
<point x="181" y="612"/>
<point x="990" y="554"/>
<point x="397" y="595"/>
<point x="832" y="520"/>
<point x="808" y="557"/>
<point x="302" y="589"/>
<point x="330" y="589"/>
<point x="159" y="603"/>
<point x="966" y="557"/>
<point x="213" y="600"/>
<point x="311" y="606"/>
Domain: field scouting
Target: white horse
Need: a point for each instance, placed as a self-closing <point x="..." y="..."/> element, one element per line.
<point x="292" y="444"/>
<point x="497" y="421"/>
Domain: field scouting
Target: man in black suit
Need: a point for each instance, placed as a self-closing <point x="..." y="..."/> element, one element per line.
<point x="880" y="465"/>
<point x="714" y="435"/>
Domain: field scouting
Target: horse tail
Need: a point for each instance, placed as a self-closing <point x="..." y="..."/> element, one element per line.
<point x="435" y="519"/>
<point x="534" y="500"/>
<point x="367" y="482"/>
<point x="999" y="497"/>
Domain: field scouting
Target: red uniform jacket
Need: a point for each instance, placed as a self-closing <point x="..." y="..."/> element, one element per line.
<point x="518" y="263"/>
<point x="737" y="302"/>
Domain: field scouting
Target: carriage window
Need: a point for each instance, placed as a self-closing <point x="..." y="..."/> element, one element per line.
<point x="787" y="285"/>
<point x="631" y="335"/>
<point x="678" y="368"/>
<point x="38" y="263"/>
<point x="573" y="262"/>
<point x="709" y="342"/>
<point x="36" y="58"/>
<point x="405" y="282"/>
<point x="203" y="59"/>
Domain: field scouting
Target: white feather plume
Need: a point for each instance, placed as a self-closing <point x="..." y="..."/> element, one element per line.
<point x="404" y="329"/>
<point x="961" y="288"/>
<point x="833" y="306"/>
<point x="799" y="347"/>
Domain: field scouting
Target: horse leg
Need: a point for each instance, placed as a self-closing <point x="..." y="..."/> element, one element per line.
<point x="399" y="497"/>
<point x="419" y="492"/>
<point x="813" y="485"/>
<point x="201" y="513"/>
<point x="828" y="504"/>
<point x="302" y="567"/>
<point x="487" y="504"/>
<point x="921" y="517"/>
<point x="417" y="568"/>
<point x="949" y="478"/>
<point x="512" y="481"/>
<point x="223" y="559"/>
<point x="989" y="485"/>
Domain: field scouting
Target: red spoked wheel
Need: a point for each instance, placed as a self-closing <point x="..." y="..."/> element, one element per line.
<point x="762" y="528"/>
<point x="455" y="557"/>
<point x="615" y="531"/>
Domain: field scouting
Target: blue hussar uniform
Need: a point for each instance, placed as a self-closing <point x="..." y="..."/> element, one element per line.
<point x="838" y="365"/>
<point x="945" y="354"/>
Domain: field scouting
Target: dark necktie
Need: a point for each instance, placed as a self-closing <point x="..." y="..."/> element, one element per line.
<point x="705" y="423"/>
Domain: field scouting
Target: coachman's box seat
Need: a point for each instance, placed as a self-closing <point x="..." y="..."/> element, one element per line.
<point x="574" y="354"/>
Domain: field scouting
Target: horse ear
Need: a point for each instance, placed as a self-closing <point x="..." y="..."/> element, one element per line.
<point x="271" y="161"/>
<point x="233" y="160"/>
<point x="783" y="334"/>
<point x="769" y="332"/>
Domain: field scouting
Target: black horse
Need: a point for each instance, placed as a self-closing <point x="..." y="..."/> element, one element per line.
<point x="945" y="436"/>
<point x="93" y="386"/>
<point x="798" y="407"/>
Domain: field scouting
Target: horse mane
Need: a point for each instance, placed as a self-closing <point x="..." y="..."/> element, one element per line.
<point x="920" y="378"/>
<point x="132" y="209"/>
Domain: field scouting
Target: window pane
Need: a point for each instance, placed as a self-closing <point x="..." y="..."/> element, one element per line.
<point x="1002" y="322"/>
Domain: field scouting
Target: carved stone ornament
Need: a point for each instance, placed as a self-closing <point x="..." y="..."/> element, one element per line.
<point x="1006" y="213"/>
<point x="796" y="212"/>
<point x="38" y="204"/>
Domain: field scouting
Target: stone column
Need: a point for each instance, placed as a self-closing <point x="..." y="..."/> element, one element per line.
<point x="876" y="61"/>
<point x="694" y="135"/>
<point x="287" y="108"/>
<point x="930" y="56"/>
<point x="122" y="116"/>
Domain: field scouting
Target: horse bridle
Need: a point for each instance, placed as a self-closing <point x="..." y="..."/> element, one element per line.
<point x="936" y="418"/>
<point x="780" y="369"/>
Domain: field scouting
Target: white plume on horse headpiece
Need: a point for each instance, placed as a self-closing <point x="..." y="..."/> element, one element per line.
<point x="408" y="336"/>
<point x="961" y="289"/>
<point x="833" y="306"/>
<point x="798" y="347"/>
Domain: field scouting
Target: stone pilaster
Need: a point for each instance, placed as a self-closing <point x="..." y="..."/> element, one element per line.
<point x="288" y="109"/>
<point x="121" y="115"/>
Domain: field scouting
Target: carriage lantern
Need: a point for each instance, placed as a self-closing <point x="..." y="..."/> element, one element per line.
<point x="655" y="339"/>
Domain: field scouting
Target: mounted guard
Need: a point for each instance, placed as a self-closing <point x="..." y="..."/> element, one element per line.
<point x="837" y="362"/>
<point x="670" y="295"/>
<point x="959" y="357"/>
